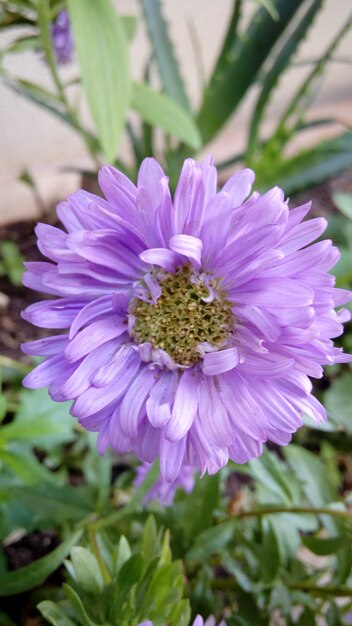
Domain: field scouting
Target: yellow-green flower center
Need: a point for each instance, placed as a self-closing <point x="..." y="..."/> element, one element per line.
<point x="181" y="319"/>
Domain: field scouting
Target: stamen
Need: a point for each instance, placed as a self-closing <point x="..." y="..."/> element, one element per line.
<point x="182" y="318"/>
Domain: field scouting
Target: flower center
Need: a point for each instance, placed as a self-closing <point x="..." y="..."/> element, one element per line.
<point x="191" y="311"/>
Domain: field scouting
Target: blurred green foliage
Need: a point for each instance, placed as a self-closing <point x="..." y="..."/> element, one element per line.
<point x="257" y="54"/>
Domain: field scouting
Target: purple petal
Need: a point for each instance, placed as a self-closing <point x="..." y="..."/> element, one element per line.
<point x="188" y="246"/>
<point x="185" y="406"/>
<point x="92" y="310"/>
<point x="163" y="257"/>
<point x="171" y="457"/>
<point x="132" y="407"/>
<point x="218" y="362"/>
<point x="54" y="313"/>
<point x="93" y="336"/>
<point x="159" y="403"/>
<point x="46" y="347"/>
<point x="239" y="186"/>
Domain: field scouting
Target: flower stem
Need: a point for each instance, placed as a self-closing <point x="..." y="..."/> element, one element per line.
<point x="44" y="26"/>
<point x="346" y="514"/>
<point x="94" y="544"/>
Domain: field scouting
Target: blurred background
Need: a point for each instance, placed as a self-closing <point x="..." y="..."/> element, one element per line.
<point x="31" y="137"/>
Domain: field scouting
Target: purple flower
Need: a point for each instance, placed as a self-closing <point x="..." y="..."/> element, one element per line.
<point x="62" y="38"/>
<point x="164" y="491"/>
<point x="199" y="621"/>
<point x="193" y="324"/>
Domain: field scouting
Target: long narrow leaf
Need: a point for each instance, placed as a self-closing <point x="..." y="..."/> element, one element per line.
<point x="160" y="111"/>
<point x="103" y="56"/>
<point x="238" y="68"/>
<point x="292" y="117"/>
<point x="164" y="54"/>
<point x="35" y="574"/>
<point x="279" y="65"/>
<point x="310" y="167"/>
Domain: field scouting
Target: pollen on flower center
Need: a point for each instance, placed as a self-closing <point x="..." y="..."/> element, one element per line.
<point x="184" y="316"/>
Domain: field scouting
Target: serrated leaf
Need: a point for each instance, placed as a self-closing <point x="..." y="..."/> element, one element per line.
<point x="102" y="51"/>
<point x="159" y="110"/>
<point x="165" y="58"/>
<point x="239" y="63"/>
<point x="281" y="62"/>
<point x="87" y="570"/>
<point x="36" y="573"/>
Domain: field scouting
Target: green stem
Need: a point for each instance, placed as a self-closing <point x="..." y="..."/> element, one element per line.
<point x="330" y="590"/>
<point x="94" y="544"/>
<point x="296" y="509"/>
<point x="135" y="501"/>
<point x="230" y="584"/>
<point x="44" y="26"/>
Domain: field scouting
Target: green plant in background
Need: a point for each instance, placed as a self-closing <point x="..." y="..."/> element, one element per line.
<point x="244" y="543"/>
<point x="259" y="55"/>
<point x="11" y="262"/>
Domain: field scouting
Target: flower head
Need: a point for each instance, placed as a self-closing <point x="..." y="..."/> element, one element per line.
<point x="164" y="491"/>
<point x="191" y="324"/>
<point x="62" y="38"/>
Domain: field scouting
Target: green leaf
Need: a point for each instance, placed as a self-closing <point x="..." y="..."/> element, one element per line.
<point x="150" y="543"/>
<point x="54" y="614"/>
<point x="164" y="54"/>
<point x="12" y="261"/>
<point x="25" y="465"/>
<point x="338" y="401"/>
<point x="41" y="421"/>
<point x="210" y="541"/>
<point x="123" y="553"/>
<point x="310" y="167"/>
<point x="315" y="480"/>
<point x="104" y="62"/>
<point x="121" y="584"/>
<point x="87" y="570"/>
<point x="49" y="503"/>
<point x="22" y="44"/>
<point x="38" y="95"/>
<point x="239" y="63"/>
<point x="280" y="64"/>
<point x="343" y="202"/>
<point x="270" y="554"/>
<point x="159" y="110"/>
<point x="324" y="547"/>
<point x="78" y="606"/>
<point x="36" y="573"/>
<point x="130" y="25"/>
<point x="292" y="117"/>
